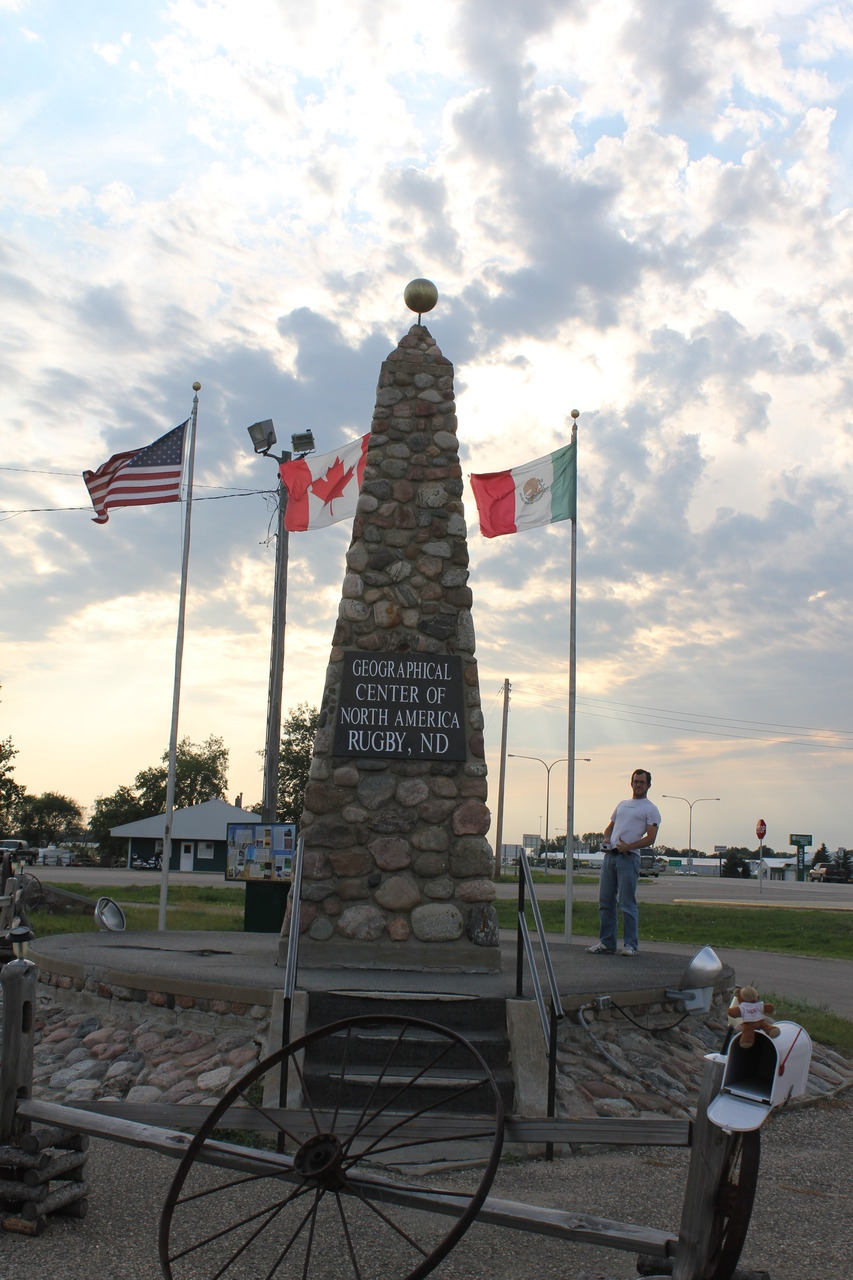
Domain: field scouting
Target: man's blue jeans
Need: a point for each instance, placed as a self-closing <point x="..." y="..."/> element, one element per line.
<point x="618" y="888"/>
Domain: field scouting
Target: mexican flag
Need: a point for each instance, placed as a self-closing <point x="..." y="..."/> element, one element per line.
<point x="323" y="488"/>
<point x="535" y="493"/>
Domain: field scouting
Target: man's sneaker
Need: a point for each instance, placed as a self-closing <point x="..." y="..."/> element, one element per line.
<point x="599" y="949"/>
<point x="629" y="951"/>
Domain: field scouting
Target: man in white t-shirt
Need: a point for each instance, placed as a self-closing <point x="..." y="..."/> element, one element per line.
<point x="633" y="826"/>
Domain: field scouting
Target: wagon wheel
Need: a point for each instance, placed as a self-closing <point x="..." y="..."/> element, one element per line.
<point x="27" y="896"/>
<point x="344" y="1180"/>
<point x="735" y="1196"/>
<point x="30" y="894"/>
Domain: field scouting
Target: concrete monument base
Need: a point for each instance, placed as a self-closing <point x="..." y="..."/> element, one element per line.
<point x="440" y="957"/>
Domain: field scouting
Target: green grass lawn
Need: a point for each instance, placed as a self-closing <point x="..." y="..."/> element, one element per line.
<point x="178" y="893"/>
<point x="804" y="933"/>
<point x="820" y="1022"/>
<point x="189" y="907"/>
<point x="801" y="933"/>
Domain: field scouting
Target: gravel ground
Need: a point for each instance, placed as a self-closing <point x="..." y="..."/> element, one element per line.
<point x="800" y="1226"/>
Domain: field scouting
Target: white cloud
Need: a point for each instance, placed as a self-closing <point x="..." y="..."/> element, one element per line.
<point x="112" y="52"/>
<point x="639" y="209"/>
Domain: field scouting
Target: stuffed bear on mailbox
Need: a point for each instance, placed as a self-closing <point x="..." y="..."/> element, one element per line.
<point x="747" y="1006"/>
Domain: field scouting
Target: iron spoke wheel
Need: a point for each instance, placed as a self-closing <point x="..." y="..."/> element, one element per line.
<point x="31" y="891"/>
<point x="735" y="1197"/>
<point x="344" y="1182"/>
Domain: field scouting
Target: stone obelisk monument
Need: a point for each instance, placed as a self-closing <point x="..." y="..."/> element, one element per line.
<point x="397" y="870"/>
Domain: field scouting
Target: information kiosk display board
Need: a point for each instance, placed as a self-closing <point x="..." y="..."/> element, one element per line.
<point x="259" y="851"/>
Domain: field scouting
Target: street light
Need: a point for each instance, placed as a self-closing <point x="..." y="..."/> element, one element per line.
<point x="690" y="804"/>
<point x="262" y="435"/>
<point x="548" y="768"/>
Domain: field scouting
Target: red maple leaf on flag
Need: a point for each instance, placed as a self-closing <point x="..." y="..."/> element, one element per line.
<point x="331" y="485"/>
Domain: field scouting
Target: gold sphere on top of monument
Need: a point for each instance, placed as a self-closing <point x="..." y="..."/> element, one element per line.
<point x="420" y="295"/>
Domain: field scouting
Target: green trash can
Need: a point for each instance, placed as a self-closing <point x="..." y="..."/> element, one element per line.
<point x="266" y="902"/>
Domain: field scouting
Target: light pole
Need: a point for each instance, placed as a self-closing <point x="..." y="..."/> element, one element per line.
<point x="262" y="435"/>
<point x="548" y="768"/>
<point x="690" y="804"/>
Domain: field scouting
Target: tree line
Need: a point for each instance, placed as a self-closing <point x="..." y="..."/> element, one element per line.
<point x="201" y="773"/>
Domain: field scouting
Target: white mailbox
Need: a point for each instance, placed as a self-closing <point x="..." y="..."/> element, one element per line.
<point x="762" y="1077"/>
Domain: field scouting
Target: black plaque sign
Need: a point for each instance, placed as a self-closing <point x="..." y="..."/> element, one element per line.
<point x="401" y="707"/>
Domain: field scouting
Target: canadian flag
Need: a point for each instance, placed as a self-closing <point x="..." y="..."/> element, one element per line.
<point x="323" y="489"/>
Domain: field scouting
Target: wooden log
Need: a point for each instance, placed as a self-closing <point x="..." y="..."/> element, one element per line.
<point x="14" y="1158"/>
<point x="166" y="1141"/>
<point x="610" y="1131"/>
<point x="54" y="1136"/>
<point x="15" y="1191"/>
<point x="23" y="1226"/>
<point x="77" y="1209"/>
<point x="62" y="1166"/>
<point x="60" y="1198"/>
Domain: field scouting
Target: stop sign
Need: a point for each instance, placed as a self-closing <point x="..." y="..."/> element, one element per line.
<point x="761" y="828"/>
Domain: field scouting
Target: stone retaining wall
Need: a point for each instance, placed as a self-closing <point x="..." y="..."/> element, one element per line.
<point x="79" y="993"/>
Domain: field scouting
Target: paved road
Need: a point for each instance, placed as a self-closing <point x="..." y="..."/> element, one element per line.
<point x="669" y="888"/>
<point x="121" y="875"/>
<point x="788" y="893"/>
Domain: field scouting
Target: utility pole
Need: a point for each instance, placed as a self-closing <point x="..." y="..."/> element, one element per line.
<point x="262" y="435"/>
<point x="269" y="803"/>
<point x="499" y="824"/>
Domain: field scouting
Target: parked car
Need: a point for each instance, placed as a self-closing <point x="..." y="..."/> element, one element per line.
<point x="19" y="850"/>
<point x="828" y="873"/>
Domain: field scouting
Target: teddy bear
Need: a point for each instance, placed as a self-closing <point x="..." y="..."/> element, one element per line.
<point x="747" y="1006"/>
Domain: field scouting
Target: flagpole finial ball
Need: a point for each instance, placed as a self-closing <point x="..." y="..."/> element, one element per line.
<point x="420" y="295"/>
<point x="576" y="413"/>
<point x="196" y="386"/>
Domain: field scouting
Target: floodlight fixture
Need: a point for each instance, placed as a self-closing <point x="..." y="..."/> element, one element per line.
<point x="697" y="982"/>
<point x="110" y="916"/>
<point x="302" y="442"/>
<point x="262" y="435"/>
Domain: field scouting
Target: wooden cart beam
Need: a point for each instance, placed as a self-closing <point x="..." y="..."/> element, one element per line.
<point x="502" y="1213"/>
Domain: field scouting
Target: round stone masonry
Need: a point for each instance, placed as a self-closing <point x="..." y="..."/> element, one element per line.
<point x="398" y="870"/>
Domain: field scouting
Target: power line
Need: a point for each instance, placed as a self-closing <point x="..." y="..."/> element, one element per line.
<point x="213" y="497"/>
<point x="768" y="724"/>
<point x="40" y="471"/>
<point x="697" y="723"/>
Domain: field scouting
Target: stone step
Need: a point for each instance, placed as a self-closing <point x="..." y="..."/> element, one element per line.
<point x="440" y="1092"/>
<point x="377" y="1048"/>
<point x="371" y="1045"/>
<point x="464" y="1014"/>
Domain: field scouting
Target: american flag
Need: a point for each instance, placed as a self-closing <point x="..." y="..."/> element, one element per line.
<point x="139" y="478"/>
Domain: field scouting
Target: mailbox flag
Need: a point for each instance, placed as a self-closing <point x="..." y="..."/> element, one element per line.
<point x="536" y="493"/>
<point x="323" y="488"/>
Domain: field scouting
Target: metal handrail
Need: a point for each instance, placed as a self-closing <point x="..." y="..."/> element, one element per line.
<point x="524" y="946"/>
<point x="291" y="963"/>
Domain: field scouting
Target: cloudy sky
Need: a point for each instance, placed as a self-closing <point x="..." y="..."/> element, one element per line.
<point x="637" y="208"/>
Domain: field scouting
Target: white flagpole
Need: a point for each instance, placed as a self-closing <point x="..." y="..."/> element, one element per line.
<point x="570" y="796"/>
<point x="179" y="653"/>
<point x="499" y="828"/>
